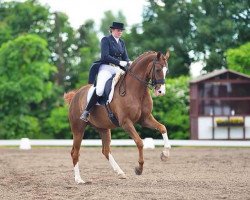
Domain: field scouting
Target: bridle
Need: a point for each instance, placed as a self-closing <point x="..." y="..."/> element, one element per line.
<point x="154" y="81"/>
<point x="146" y="83"/>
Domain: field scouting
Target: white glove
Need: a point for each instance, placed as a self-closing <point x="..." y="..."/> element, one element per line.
<point x="130" y="62"/>
<point x="123" y="63"/>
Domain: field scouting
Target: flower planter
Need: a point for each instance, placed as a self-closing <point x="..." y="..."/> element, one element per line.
<point x="230" y="124"/>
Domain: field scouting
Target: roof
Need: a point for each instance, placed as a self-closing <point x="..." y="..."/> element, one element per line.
<point x="216" y="73"/>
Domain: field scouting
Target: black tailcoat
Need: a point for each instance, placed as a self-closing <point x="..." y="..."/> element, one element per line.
<point x="111" y="52"/>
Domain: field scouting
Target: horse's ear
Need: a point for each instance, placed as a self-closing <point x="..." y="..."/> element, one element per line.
<point x="167" y="54"/>
<point x="158" y="55"/>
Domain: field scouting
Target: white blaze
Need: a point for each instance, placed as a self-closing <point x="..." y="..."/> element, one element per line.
<point x="164" y="71"/>
<point x="162" y="89"/>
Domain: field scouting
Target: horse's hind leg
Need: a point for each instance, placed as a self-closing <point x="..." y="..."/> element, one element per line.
<point x="78" y="132"/>
<point x="150" y="122"/>
<point x="106" y="140"/>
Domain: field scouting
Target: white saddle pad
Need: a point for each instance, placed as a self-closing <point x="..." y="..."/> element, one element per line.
<point x="111" y="94"/>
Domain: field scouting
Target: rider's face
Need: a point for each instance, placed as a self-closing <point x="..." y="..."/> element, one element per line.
<point x="116" y="32"/>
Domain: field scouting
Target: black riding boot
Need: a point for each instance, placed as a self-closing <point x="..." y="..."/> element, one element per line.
<point x="92" y="102"/>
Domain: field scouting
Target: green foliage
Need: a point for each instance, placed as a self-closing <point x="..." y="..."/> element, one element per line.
<point x="18" y="18"/>
<point x="24" y="83"/>
<point x="62" y="45"/>
<point x="41" y="56"/>
<point x="88" y="45"/>
<point x="173" y="109"/>
<point x="19" y="126"/>
<point x="26" y="66"/>
<point x="165" y="25"/>
<point x="57" y="125"/>
<point x="193" y="30"/>
<point x="238" y="59"/>
<point x="219" y="25"/>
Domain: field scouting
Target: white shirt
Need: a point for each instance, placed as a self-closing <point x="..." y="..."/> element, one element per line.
<point x="117" y="39"/>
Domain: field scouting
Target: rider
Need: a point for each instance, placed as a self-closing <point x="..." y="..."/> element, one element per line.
<point x="113" y="57"/>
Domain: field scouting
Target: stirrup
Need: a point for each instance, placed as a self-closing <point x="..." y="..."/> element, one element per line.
<point x="85" y="116"/>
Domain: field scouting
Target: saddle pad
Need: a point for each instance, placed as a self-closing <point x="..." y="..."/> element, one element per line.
<point x="109" y="96"/>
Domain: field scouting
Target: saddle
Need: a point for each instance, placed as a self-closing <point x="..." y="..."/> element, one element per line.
<point x="107" y="96"/>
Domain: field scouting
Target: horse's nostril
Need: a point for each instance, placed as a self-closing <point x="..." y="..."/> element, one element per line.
<point x="159" y="91"/>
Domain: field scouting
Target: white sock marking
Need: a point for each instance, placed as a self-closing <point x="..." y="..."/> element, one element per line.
<point x="114" y="165"/>
<point x="166" y="141"/>
<point x="78" y="178"/>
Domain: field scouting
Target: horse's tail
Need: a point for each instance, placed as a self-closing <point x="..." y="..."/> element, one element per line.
<point x="69" y="96"/>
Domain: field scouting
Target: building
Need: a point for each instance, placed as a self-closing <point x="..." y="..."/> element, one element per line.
<point x="220" y="106"/>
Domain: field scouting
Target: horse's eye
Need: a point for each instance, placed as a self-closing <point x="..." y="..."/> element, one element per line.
<point x="158" y="70"/>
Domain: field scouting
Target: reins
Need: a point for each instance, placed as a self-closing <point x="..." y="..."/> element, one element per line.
<point x="146" y="83"/>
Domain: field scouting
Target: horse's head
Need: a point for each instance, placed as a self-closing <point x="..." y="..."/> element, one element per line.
<point x="158" y="73"/>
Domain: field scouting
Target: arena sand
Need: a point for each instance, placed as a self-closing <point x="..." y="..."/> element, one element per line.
<point x="190" y="173"/>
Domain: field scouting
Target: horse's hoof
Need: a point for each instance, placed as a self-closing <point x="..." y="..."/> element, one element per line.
<point x="165" y="155"/>
<point x="122" y="176"/>
<point x="138" y="171"/>
<point x="88" y="183"/>
<point x="79" y="181"/>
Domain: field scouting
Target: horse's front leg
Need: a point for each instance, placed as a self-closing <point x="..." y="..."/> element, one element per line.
<point x="106" y="140"/>
<point x="129" y="127"/>
<point x="151" y="122"/>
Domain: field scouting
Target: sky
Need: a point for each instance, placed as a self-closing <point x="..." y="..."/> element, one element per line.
<point x="79" y="11"/>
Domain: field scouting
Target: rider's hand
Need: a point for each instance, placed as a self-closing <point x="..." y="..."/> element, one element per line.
<point x="123" y="63"/>
<point x="130" y="62"/>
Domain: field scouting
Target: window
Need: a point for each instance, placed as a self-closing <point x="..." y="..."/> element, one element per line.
<point x="224" y="98"/>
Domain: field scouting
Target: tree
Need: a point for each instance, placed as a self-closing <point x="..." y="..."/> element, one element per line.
<point x="19" y="18"/>
<point x="194" y="30"/>
<point x="24" y="85"/>
<point x="165" y="25"/>
<point x="238" y="59"/>
<point x="62" y="45"/>
<point x="63" y="40"/>
<point x="108" y="18"/>
<point x="88" y="50"/>
<point x="173" y="109"/>
<point x="217" y="26"/>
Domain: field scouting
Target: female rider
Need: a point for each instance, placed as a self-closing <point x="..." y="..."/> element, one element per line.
<point x="113" y="57"/>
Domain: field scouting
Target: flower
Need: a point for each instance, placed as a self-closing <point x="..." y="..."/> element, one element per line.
<point x="230" y="121"/>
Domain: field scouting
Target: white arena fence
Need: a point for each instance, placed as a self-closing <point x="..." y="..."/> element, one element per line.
<point x="148" y="142"/>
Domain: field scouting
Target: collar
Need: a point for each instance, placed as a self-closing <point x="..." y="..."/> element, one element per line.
<point x="117" y="39"/>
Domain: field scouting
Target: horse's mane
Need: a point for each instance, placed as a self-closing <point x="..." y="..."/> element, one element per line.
<point x="142" y="56"/>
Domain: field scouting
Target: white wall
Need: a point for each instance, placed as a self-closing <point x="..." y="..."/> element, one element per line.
<point x="247" y="125"/>
<point x="205" y="125"/>
<point x="205" y="129"/>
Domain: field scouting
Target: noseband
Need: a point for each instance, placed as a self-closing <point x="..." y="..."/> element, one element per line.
<point x="153" y="79"/>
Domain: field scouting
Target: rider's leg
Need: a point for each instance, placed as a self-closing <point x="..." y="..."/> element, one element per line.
<point x="102" y="78"/>
<point x="91" y="103"/>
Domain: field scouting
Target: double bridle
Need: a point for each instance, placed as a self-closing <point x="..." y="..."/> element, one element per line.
<point x="147" y="83"/>
<point x="153" y="79"/>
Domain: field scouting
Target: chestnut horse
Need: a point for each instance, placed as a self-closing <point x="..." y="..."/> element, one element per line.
<point x="133" y="106"/>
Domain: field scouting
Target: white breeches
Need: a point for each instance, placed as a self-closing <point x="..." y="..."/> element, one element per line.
<point x="105" y="73"/>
